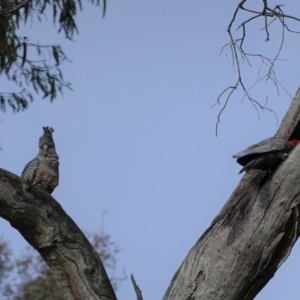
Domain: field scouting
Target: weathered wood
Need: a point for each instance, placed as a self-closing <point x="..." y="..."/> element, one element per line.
<point x="251" y="237"/>
<point x="75" y="264"/>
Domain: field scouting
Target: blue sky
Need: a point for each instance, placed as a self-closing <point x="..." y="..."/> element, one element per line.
<point x="136" y="137"/>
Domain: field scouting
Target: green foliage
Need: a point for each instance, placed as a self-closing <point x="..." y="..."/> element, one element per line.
<point x="28" y="277"/>
<point x="18" y="55"/>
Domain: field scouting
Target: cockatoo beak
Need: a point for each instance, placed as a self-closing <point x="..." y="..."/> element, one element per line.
<point x="45" y="149"/>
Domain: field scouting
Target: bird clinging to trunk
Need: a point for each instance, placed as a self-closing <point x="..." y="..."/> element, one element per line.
<point x="265" y="155"/>
<point x="43" y="169"/>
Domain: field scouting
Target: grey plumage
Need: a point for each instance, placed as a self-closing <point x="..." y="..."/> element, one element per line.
<point x="265" y="155"/>
<point x="43" y="169"/>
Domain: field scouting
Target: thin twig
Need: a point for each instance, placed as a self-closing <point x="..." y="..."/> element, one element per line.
<point x="282" y="15"/>
<point x="266" y="19"/>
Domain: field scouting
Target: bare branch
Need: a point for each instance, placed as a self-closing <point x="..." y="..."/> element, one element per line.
<point x="239" y="55"/>
<point x="266" y="19"/>
<point x="137" y="290"/>
<point x="281" y="14"/>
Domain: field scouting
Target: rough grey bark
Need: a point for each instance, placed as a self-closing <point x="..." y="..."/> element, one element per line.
<point x="76" y="266"/>
<point x="251" y="237"/>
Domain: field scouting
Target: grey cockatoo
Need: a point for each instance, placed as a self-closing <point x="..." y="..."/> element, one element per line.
<point x="43" y="169"/>
<point x="265" y="155"/>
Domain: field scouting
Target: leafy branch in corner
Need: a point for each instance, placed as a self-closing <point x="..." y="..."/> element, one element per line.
<point x="239" y="55"/>
<point x="32" y="67"/>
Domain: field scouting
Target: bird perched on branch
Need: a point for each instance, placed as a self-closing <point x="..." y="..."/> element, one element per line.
<point x="265" y="155"/>
<point x="43" y="169"/>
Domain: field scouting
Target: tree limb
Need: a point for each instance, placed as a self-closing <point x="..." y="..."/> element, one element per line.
<point x="252" y="235"/>
<point x="42" y="221"/>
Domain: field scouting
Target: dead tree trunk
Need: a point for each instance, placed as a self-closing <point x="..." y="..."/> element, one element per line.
<point x="75" y="264"/>
<point x="251" y="237"/>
